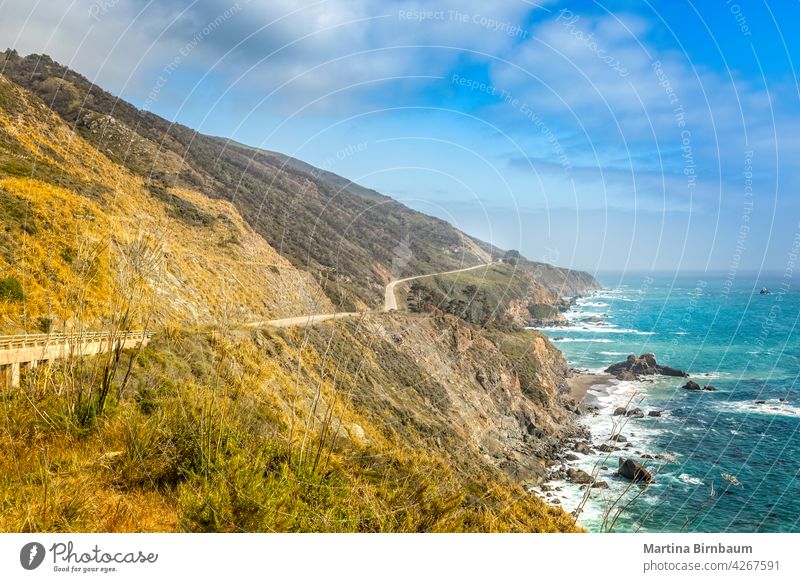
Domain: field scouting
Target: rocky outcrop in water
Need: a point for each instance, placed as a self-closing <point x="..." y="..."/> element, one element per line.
<point x="634" y="471"/>
<point x="695" y="387"/>
<point x="645" y="365"/>
<point x="592" y="319"/>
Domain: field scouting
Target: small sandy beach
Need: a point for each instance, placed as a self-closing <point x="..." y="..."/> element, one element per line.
<point x="580" y="382"/>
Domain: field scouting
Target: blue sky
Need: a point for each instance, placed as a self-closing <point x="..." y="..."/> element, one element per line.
<point x="604" y="136"/>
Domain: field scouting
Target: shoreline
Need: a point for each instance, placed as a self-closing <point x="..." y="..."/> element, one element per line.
<point x="583" y="453"/>
<point x="581" y="382"/>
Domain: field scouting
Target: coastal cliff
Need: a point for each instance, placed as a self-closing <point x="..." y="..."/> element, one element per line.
<point x="474" y="398"/>
<point x="385" y="423"/>
<point x="503" y="295"/>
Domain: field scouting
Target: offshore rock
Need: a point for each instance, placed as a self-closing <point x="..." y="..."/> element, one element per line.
<point x="634" y="471"/>
<point x="635" y="367"/>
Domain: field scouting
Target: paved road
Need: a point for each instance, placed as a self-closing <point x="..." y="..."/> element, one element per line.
<point x="305" y="320"/>
<point x="389" y="304"/>
<point x="390" y="299"/>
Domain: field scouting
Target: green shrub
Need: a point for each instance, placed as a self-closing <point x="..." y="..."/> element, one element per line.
<point x="543" y="311"/>
<point x="11" y="290"/>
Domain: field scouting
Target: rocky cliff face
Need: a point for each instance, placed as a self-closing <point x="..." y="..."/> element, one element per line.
<point x="480" y="400"/>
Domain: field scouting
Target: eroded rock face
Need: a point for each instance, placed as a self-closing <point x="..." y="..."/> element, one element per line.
<point x="645" y="365"/>
<point x="477" y="398"/>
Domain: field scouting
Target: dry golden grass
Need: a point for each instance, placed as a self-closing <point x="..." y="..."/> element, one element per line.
<point x="211" y="435"/>
<point x="80" y="215"/>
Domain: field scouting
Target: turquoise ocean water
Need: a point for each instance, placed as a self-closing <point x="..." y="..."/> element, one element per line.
<point x="727" y="462"/>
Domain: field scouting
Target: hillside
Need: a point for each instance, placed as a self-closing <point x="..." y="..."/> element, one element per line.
<point x="382" y="422"/>
<point x="497" y="294"/>
<point x="352" y="248"/>
<point x="505" y="295"/>
<point x="559" y="281"/>
<point x="84" y="238"/>
<point x="359" y="236"/>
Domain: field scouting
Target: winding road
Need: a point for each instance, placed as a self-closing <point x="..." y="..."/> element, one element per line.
<point x="390" y="299"/>
<point x="389" y="303"/>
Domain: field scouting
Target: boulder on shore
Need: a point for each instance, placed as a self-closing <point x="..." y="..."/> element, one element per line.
<point x="710" y="388"/>
<point x="583" y="448"/>
<point x="645" y="365"/>
<point x="634" y="471"/>
<point x="693" y="386"/>
<point x="655" y="413"/>
<point x="620" y="411"/>
<point x="636" y="413"/>
<point x="578" y="476"/>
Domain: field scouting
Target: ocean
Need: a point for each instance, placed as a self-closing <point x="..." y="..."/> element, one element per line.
<point x="725" y="461"/>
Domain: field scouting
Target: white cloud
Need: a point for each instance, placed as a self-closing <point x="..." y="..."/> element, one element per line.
<point x="596" y="83"/>
<point x="124" y="44"/>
